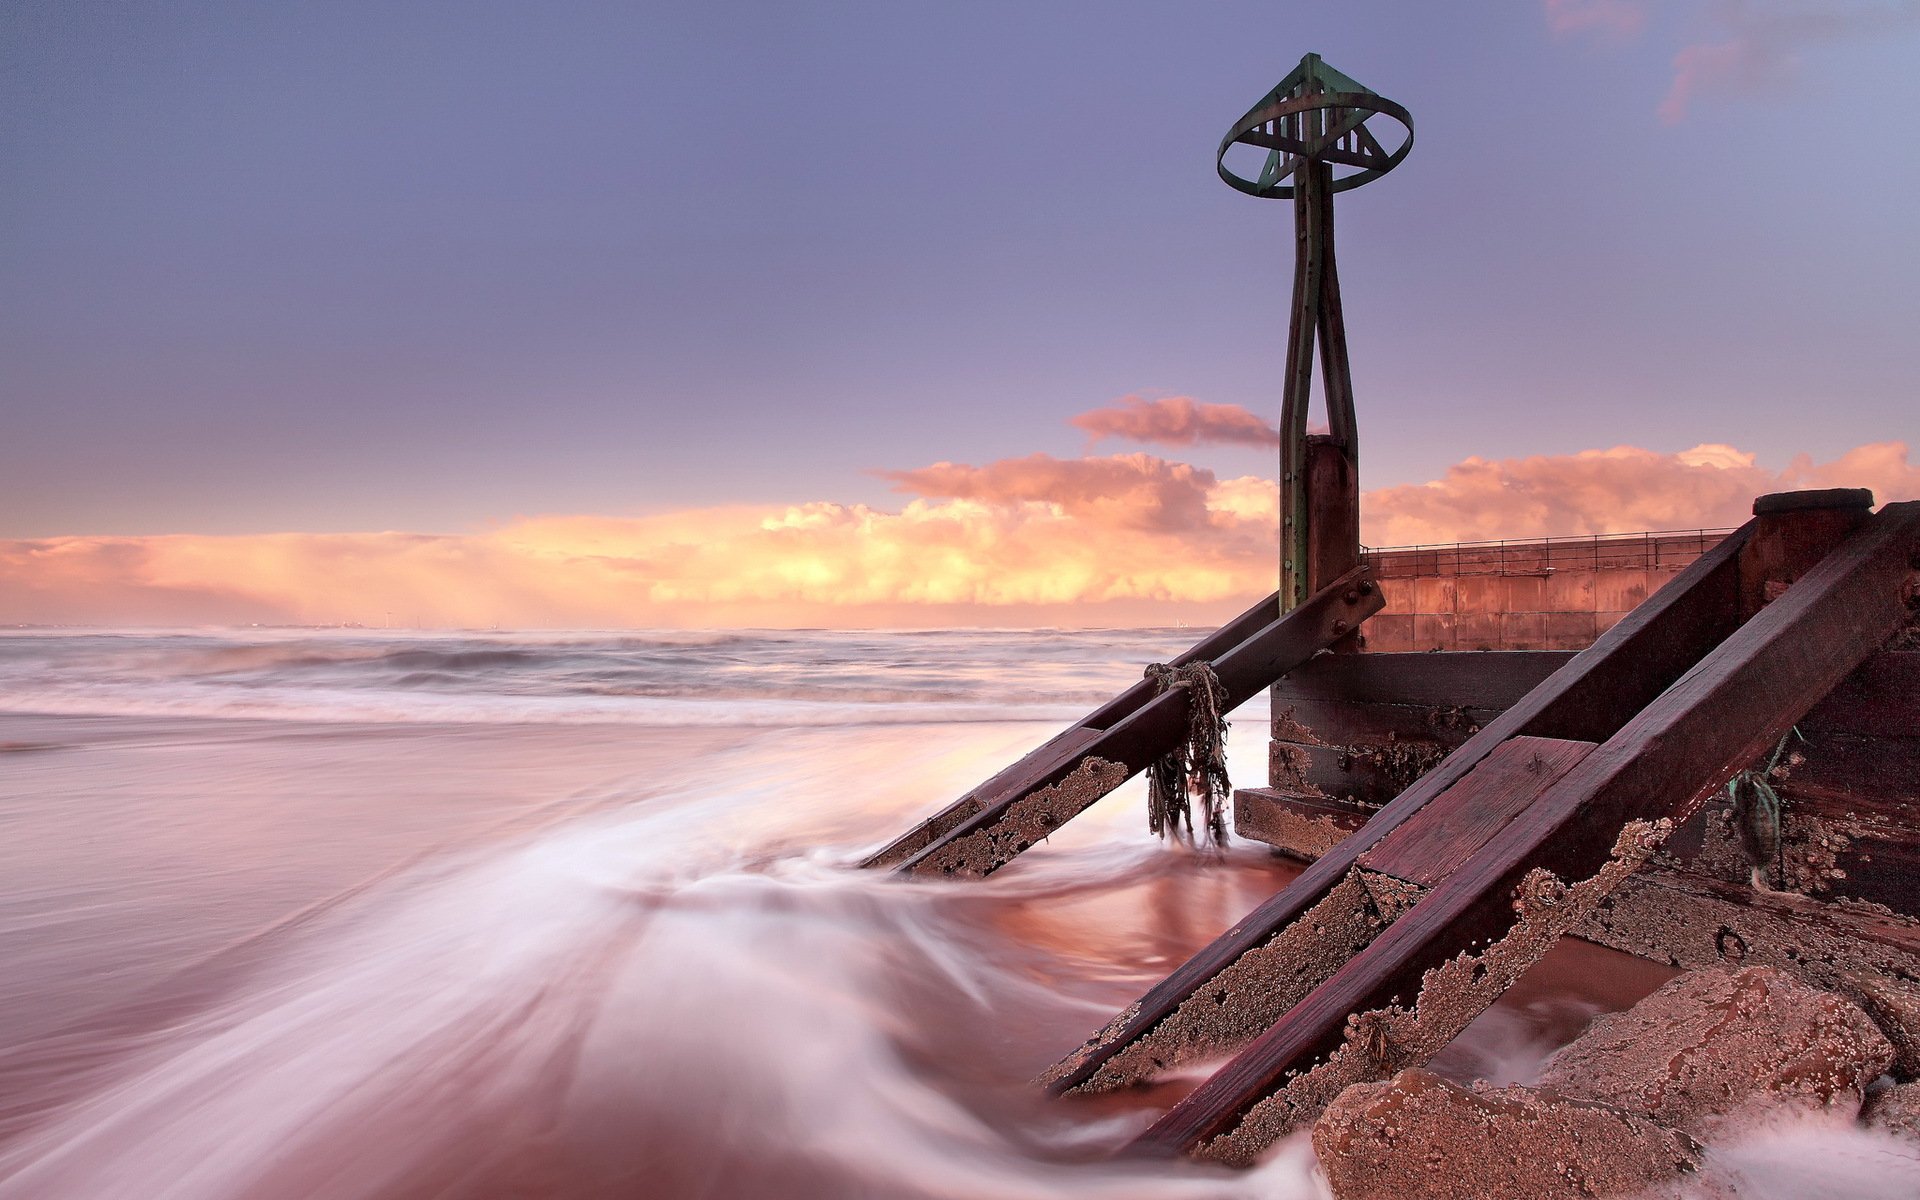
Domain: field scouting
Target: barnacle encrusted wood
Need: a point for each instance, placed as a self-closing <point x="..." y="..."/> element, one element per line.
<point x="1376" y="1043"/>
<point x="1125" y="736"/>
<point x="1738" y="698"/>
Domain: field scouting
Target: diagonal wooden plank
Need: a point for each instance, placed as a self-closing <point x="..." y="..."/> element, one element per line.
<point x="1058" y="754"/>
<point x="1011" y="822"/>
<point x="1619" y="673"/>
<point x="1463" y="818"/>
<point x="1719" y="716"/>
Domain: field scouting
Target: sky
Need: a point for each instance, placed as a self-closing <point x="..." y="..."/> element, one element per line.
<point x="904" y="313"/>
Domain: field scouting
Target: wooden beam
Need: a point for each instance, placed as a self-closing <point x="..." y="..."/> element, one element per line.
<point x="1057" y="757"/>
<point x="1878" y="698"/>
<point x="1369" y="776"/>
<point x="1447" y="832"/>
<point x="1471" y="678"/>
<point x="1333" y="508"/>
<point x="1685" y="920"/>
<point x="1720" y="716"/>
<point x="1786" y="523"/>
<point x="1630" y="664"/>
<point x="1015" y="819"/>
<point x="1299" y="828"/>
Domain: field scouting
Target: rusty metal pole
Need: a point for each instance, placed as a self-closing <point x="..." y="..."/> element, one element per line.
<point x="1314" y="122"/>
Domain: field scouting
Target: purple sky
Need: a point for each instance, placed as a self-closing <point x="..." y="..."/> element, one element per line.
<point x="405" y="266"/>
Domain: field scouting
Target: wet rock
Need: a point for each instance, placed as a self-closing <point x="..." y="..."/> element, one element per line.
<point x="1895" y="1110"/>
<point x="1419" y="1137"/>
<point x="1894" y="1005"/>
<point x="1713" y="1046"/>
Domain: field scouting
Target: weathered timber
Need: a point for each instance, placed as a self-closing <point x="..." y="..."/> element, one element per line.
<point x="1358" y="729"/>
<point x="1878" y="699"/>
<point x="1849" y="806"/>
<point x="1333" y="483"/>
<point x="1593" y="691"/>
<point x="1061" y="754"/>
<point x="1366" y="774"/>
<point x="1662" y="764"/>
<point x="1468" y="678"/>
<point x="1047" y="795"/>
<point x="1339" y="723"/>
<point x="1853" y="767"/>
<point x="1786" y="522"/>
<point x="1300" y="828"/>
<point x="1877" y="776"/>
<point x="1679" y="916"/>
<point x="1447" y="832"/>
<point x="1685" y="921"/>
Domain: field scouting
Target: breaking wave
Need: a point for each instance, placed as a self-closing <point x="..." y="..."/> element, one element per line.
<point x="784" y="678"/>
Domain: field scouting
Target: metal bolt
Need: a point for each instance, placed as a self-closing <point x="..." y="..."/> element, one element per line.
<point x="1340" y="626"/>
<point x="1352" y="596"/>
<point x="1366" y="587"/>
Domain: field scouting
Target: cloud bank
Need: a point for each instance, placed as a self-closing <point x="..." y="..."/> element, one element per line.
<point x="1123" y="539"/>
<point x="1177" y="421"/>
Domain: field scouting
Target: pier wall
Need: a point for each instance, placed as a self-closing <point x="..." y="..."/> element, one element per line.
<point x="1543" y="594"/>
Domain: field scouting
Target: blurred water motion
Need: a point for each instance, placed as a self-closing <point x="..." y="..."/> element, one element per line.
<point x="271" y="932"/>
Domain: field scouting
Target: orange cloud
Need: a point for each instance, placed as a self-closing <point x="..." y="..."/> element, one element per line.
<point x="1126" y="491"/>
<point x="1121" y="540"/>
<point x="1621" y="490"/>
<point x="1176" y="421"/>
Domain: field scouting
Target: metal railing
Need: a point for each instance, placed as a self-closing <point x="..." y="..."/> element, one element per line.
<point x="1656" y="549"/>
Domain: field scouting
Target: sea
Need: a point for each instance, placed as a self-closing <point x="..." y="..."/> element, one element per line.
<point x="291" y="913"/>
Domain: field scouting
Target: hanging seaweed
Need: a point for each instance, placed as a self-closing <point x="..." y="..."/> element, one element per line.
<point x="1197" y="768"/>
<point x="1757" y="810"/>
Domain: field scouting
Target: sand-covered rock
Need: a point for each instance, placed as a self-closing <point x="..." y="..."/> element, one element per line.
<point x="1419" y="1137"/>
<point x="1895" y="1110"/>
<point x="1713" y="1046"/>
<point x="1894" y="1005"/>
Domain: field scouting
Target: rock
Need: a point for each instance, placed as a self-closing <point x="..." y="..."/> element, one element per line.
<point x="1714" y="1046"/>
<point x="1894" y="1005"/>
<point x="1419" y="1137"/>
<point x="1896" y="1110"/>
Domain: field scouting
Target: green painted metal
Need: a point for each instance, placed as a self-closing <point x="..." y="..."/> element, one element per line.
<point x="1276" y="125"/>
<point x="1313" y="124"/>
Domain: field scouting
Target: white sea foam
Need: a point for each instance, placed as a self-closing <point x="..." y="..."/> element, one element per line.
<point x="680" y="1000"/>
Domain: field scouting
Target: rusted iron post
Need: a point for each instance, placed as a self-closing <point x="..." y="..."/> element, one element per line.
<point x="1313" y="125"/>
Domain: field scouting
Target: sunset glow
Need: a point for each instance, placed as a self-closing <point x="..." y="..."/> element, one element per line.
<point x="1124" y="539"/>
<point x="332" y="318"/>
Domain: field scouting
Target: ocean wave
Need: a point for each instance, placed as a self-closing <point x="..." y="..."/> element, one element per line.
<point x="413" y="708"/>
<point x="814" y="679"/>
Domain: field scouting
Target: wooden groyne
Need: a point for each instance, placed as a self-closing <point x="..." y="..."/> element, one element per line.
<point x="1697" y="748"/>
<point x="1583" y="802"/>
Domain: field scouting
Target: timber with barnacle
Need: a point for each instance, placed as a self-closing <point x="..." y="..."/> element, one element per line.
<point x="1706" y="755"/>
